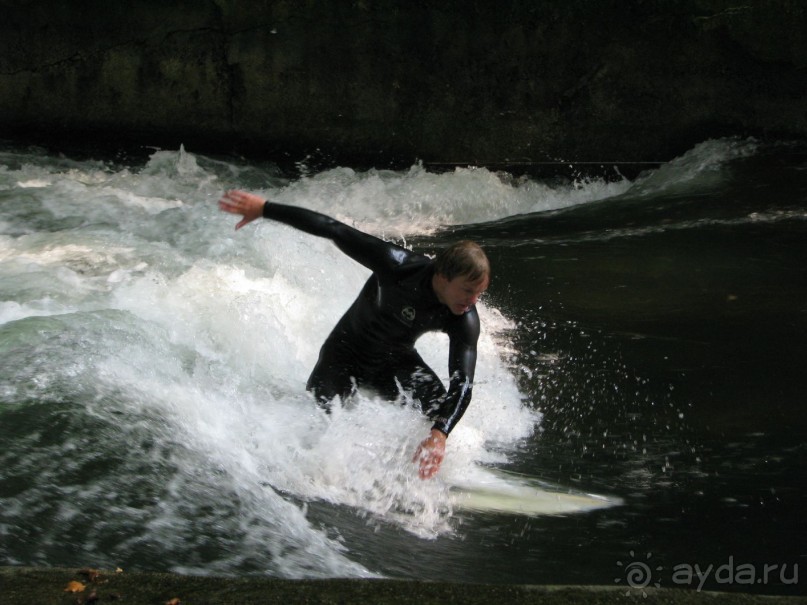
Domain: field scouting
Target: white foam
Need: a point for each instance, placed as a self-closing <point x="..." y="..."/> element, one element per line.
<point x="416" y="201"/>
<point x="699" y="167"/>
<point x="204" y="337"/>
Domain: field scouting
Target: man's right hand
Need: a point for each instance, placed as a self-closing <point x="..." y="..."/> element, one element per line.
<point x="248" y="205"/>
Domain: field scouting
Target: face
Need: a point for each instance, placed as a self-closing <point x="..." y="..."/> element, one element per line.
<point x="460" y="293"/>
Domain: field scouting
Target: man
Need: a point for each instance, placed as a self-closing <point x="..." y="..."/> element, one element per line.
<point x="408" y="294"/>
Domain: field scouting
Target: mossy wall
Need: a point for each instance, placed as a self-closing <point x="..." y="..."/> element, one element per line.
<point x="396" y="80"/>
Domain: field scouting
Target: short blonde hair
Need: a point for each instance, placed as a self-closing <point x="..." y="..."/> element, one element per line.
<point x="463" y="259"/>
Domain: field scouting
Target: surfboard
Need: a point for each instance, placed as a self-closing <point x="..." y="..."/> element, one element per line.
<point x="496" y="491"/>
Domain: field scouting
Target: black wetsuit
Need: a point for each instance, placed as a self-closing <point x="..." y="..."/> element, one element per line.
<point x="373" y="344"/>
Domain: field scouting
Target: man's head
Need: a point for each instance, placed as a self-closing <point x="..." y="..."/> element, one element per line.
<point x="461" y="275"/>
<point x="466" y="259"/>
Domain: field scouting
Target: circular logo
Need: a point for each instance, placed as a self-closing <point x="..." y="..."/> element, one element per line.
<point x="408" y="313"/>
<point x="638" y="575"/>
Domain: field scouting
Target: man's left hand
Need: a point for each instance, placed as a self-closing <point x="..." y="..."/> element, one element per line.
<point x="430" y="454"/>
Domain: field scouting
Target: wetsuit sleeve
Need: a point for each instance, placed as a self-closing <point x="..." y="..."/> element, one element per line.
<point x="372" y="252"/>
<point x="461" y="366"/>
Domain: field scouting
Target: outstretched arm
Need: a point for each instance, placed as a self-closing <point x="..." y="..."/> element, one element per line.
<point x="372" y="252"/>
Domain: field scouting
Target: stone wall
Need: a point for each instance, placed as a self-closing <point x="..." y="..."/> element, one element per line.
<point x="385" y="81"/>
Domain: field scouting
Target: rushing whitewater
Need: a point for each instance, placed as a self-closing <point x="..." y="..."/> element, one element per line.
<point x="152" y="404"/>
<point x="132" y="307"/>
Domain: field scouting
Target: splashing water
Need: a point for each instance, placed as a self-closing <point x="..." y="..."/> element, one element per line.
<point x="154" y="361"/>
<point x="173" y="353"/>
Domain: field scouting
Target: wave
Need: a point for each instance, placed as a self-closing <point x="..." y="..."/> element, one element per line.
<point x="136" y="319"/>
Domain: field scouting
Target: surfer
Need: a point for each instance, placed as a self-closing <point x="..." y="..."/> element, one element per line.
<point x="408" y="294"/>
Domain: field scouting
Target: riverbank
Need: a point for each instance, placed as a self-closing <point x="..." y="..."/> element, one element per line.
<point x="27" y="585"/>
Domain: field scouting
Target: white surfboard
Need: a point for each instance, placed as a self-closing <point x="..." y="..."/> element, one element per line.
<point x="497" y="491"/>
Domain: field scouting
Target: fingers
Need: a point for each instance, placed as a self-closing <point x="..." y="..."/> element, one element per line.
<point x="233" y="201"/>
<point x="248" y="205"/>
<point x="429" y="465"/>
<point x="429" y="461"/>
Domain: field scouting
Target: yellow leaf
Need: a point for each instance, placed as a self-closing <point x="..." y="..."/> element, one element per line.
<point x="74" y="587"/>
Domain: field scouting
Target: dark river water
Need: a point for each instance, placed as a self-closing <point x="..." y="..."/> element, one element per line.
<point x="643" y="339"/>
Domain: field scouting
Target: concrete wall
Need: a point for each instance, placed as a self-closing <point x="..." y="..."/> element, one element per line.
<point x="496" y="81"/>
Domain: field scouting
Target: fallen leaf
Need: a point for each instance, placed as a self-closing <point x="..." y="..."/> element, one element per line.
<point x="74" y="587"/>
<point x="118" y="570"/>
<point x="173" y="601"/>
